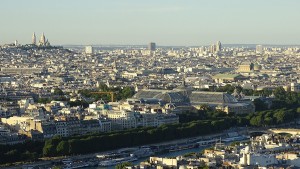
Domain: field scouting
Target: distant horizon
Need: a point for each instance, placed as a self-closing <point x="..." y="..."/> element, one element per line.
<point x="145" y="45"/>
<point x="227" y="44"/>
<point x="168" y="22"/>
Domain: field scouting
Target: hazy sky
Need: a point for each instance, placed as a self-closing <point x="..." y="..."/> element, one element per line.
<point x="166" y="22"/>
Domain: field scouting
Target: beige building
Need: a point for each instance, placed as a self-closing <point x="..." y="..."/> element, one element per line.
<point x="24" y="104"/>
<point x="227" y="78"/>
<point x="16" y="122"/>
<point x="166" y="162"/>
<point x="23" y="125"/>
<point x="245" y="68"/>
<point x="290" y="158"/>
<point x="131" y="114"/>
<point x="122" y="119"/>
<point x="295" y="87"/>
<point x="21" y="70"/>
<point x="248" y="67"/>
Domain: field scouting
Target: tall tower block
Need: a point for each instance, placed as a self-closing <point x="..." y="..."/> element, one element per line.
<point x="152" y="46"/>
<point x="89" y="50"/>
<point x="218" y="46"/>
<point x="259" y="49"/>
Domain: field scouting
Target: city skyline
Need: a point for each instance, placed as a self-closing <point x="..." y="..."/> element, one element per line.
<point x="175" y="23"/>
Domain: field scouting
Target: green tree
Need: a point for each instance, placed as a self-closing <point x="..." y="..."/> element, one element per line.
<point x="239" y="89"/>
<point x="297" y="113"/>
<point x="85" y="92"/>
<point x="278" y="104"/>
<point x="256" y="121"/>
<point x="227" y="88"/>
<point x="103" y="87"/>
<point x="44" y="100"/>
<point x="280" y="93"/>
<point x="292" y="98"/>
<point x="127" y="92"/>
<point x="259" y="105"/>
<point x="205" y="167"/>
<point x="56" y="167"/>
<point x="63" y="148"/>
<point x="218" y="124"/>
<point x="266" y="92"/>
<point x="28" y="156"/>
<point x="248" y="92"/>
<point x="280" y="116"/>
<point x="58" y="91"/>
<point x="268" y="121"/>
<point x="123" y="165"/>
<point x="49" y="150"/>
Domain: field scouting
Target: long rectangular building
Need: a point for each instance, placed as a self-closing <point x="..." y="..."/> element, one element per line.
<point x="21" y="70"/>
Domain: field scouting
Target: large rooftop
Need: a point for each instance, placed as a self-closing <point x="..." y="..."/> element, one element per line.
<point x="211" y="97"/>
<point x="174" y="96"/>
<point x="168" y="96"/>
<point x="226" y="76"/>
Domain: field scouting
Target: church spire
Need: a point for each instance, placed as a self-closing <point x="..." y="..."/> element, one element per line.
<point x="33" y="39"/>
<point x="42" y="40"/>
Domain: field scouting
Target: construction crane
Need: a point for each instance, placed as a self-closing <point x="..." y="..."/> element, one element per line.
<point x="112" y="94"/>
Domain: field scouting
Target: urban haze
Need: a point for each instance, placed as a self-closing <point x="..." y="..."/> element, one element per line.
<point x="149" y="85"/>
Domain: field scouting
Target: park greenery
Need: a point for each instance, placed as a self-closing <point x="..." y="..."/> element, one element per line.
<point x="134" y="137"/>
<point x="248" y="92"/>
<point x="27" y="151"/>
<point x="285" y="109"/>
<point x="123" y="165"/>
<point x="120" y="93"/>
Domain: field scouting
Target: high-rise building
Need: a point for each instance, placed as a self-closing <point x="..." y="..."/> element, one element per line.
<point x="218" y="46"/>
<point x="33" y="39"/>
<point x="89" y="50"/>
<point x="152" y="46"/>
<point x="259" y="49"/>
<point x="212" y="48"/>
